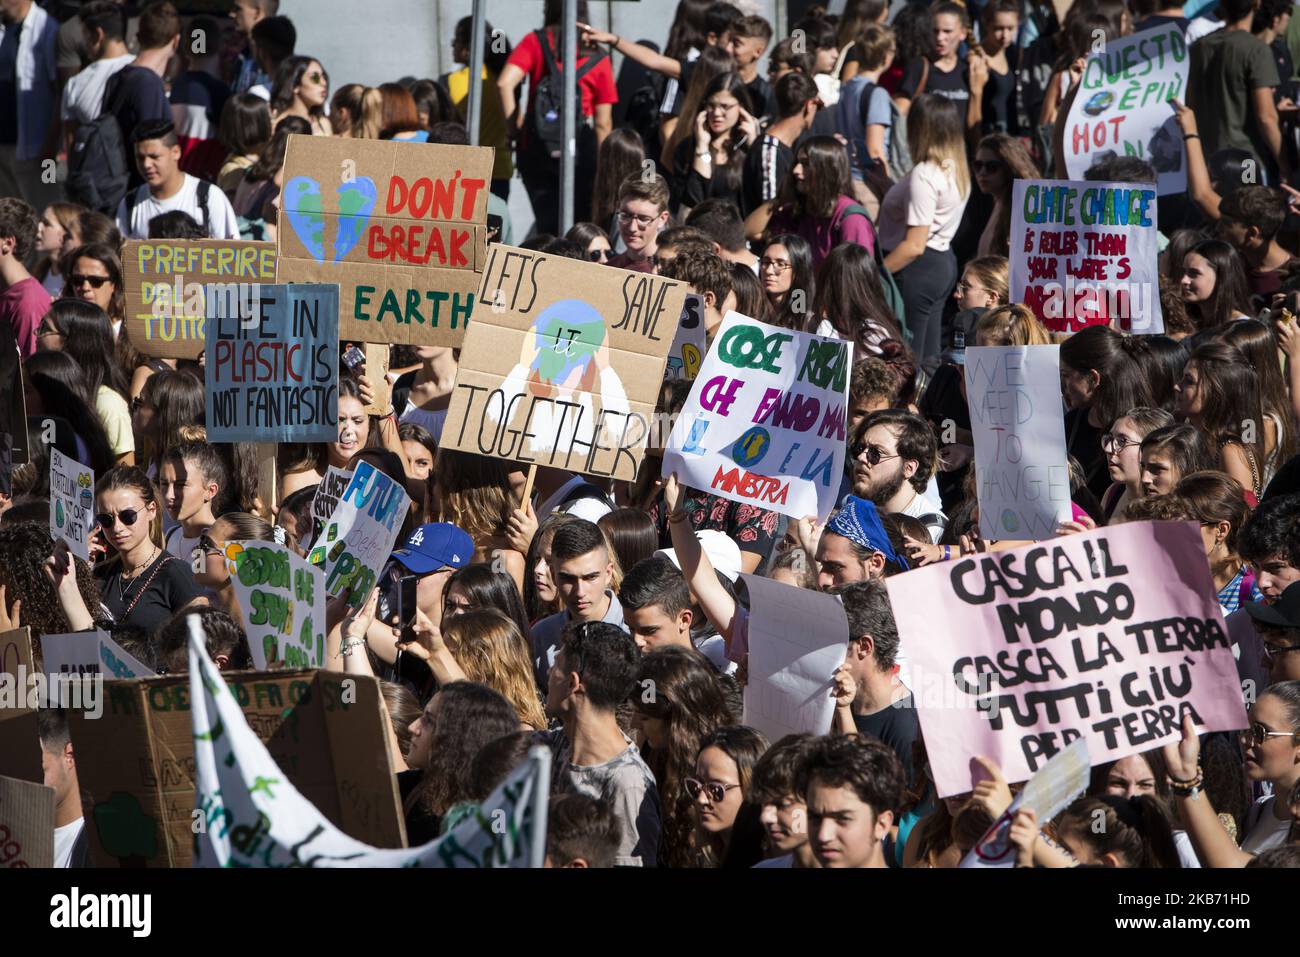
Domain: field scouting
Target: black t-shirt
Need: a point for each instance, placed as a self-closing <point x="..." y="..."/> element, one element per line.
<point x="999" y="101"/>
<point x="139" y="96"/>
<point x="955" y="84"/>
<point x="896" y="726"/>
<point x="762" y="98"/>
<point x="766" y="166"/>
<point x="421" y="826"/>
<point x="1083" y="441"/>
<point x="153" y="596"/>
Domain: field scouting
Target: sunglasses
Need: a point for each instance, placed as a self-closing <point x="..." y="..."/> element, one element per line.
<point x="1257" y="734"/>
<point x="128" y="516"/>
<point x="716" y="792"/>
<point x="873" y="453"/>
<point x="80" y="279"/>
<point x="1272" y="652"/>
<point x="316" y="78"/>
<point x="987" y="166"/>
<point x="208" y="547"/>
<point x="598" y="255"/>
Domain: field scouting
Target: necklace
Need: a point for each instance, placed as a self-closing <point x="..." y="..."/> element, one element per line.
<point x="122" y="588"/>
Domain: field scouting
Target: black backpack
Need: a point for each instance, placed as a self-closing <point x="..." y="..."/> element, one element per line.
<point x="640" y="95"/>
<point x="548" y="99"/>
<point x="98" y="174"/>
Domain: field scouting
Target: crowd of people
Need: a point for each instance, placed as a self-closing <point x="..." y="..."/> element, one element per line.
<point x="861" y="190"/>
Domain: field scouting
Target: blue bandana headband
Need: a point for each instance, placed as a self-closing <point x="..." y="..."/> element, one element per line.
<point x="859" y="522"/>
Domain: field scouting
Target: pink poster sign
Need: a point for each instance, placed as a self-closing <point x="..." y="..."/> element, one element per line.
<point x="1112" y="636"/>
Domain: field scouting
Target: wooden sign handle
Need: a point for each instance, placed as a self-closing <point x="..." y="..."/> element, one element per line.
<point x="377" y="373"/>
<point x="528" y="485"/>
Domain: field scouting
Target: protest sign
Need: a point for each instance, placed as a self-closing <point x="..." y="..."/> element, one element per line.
<point x="241" y="790"/>
<point x="26" y="824"/>
<point x="563" y="363"/>
<point x="1085" y="254"/>
<point x="327" y="496"/>
<point x="281" y="602"/>
<point x="1122" y="106"/>
<point x="89" y="653"/>
<point x="401" y="227"/>
<point x="72" y="502"/>
<point x="1022" y="475"/>
<point x="326" y="731"/>
<point x="1048" y="793"/>
<point x="355" y="543"/>
<point x="797" y="638"/>
<point x="690" y="343"/>
<point x="20" y="699"/>
<point x="168" y="282"/>
<point x="272" y="371"/>
<point x="764" y="424"/>
<point x="1016" y="654"/>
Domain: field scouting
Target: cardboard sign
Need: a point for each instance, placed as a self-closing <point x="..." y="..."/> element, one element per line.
<point x="281" y="602"/>
<point x="272" y="373"/>
<point x="89" y="653"/>
<point x="20" y="749"/>
<point x="401" y="227"/>
<point x="168" y="282"/>
<point x="327" y="496"/>
<point x="1122" y="107"/>
<point x="797" y="638"/>
<point x="1048" y="793"/>
<point x="26" y="824"/>
<point x="1084" y="254"/>
<point x="72" y="502"/>
<point x="326" y="732"/>
<point x="764" y="424"/>
<point x="355" y="543"/>
<point x="1022" y="475"/>
<point x="507" y="830"/>
<point x="1112" y="636"/>
<point x="563" y="364"/>
<point x="691" y="342"/>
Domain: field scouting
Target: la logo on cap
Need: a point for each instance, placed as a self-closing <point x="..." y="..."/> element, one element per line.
<point x="418" y="537"/>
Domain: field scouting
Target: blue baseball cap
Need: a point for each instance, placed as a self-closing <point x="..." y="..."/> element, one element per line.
<point x="434" y="546"/>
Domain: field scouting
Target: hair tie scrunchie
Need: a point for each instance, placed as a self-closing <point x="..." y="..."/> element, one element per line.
<point x="277" y="532"/>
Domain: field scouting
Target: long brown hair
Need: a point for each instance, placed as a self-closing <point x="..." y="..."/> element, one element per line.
<point x="713" y="62"/>
<point x="621" y="155"/>
<point x="826" y="177"/>
<point x="688" y="698"/>
<point x="1019" y="164"/>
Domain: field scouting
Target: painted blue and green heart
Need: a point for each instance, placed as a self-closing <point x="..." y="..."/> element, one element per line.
<point x="305" y="208"/>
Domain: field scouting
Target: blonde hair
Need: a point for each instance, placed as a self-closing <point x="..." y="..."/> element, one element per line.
<point x="1011" y="325"/>
<point x="876" y="43"/>
<point x="370" y="123"/>
<point x="991" y="272"/>
<point x="936" y="133"/>
<point x="491" y="651"/>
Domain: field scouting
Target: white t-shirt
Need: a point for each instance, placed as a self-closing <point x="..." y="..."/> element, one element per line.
<point x="1202" y="27"/>
<point x="1265" y="831"/>
<point x="220" y="214"/>
<point x="83" y="97"/>
<point x="923" y="506"/>
<point x="927" y="196"/>
<point x="64" y="839"/>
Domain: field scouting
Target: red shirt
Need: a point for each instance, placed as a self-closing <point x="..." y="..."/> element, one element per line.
<point x="23" y="305"/>
<point x="625" y="261"/>
<point x="597" y="86"/>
